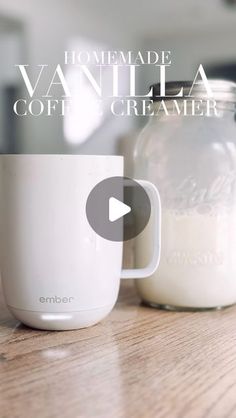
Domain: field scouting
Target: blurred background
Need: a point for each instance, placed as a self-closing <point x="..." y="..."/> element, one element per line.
<point x="38" y="32"/>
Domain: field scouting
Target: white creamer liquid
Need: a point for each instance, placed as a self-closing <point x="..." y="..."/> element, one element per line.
<point x="198" y="261"/>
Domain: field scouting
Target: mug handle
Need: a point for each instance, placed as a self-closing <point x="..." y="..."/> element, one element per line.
<point x="147" y="271"/>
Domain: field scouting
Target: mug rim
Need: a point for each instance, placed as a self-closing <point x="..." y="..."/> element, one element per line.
<point x="65" y="155"/>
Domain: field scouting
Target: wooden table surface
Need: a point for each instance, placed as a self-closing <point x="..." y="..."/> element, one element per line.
<point x="139" y="362"/>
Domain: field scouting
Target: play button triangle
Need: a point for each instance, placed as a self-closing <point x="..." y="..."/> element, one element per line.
<point x="117" y="209"/>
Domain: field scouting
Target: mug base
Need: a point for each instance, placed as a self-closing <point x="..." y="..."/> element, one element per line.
<point x="61" y="321"/>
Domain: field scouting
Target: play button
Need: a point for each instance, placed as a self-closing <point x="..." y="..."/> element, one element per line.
<point x="118" y="208"/>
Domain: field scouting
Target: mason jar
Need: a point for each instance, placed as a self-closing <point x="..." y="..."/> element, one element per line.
<point x="191" y="158"/>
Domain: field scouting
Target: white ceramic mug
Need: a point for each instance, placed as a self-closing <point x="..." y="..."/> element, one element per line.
<point x="57" y="273"/>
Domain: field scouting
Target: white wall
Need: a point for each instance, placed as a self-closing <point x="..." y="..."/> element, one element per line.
<point x="48" y="26"/>
<point x="188" y="51"/>
<point x="10" y="53"/>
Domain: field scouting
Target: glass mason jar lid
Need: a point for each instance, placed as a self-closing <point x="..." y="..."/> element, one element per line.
<point x="223" y="90"/>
